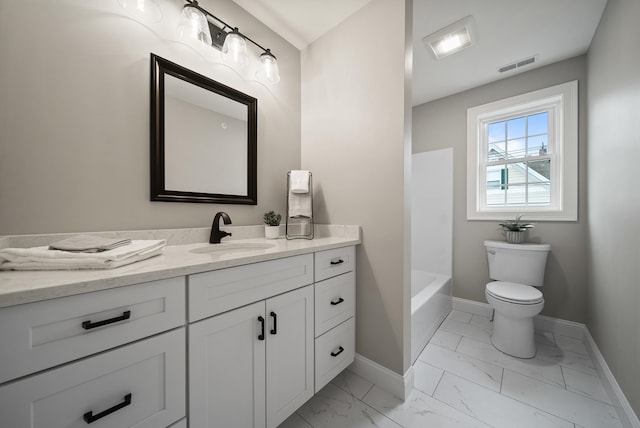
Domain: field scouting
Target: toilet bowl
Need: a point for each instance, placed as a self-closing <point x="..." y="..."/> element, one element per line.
<point x="517" y="270"/>
<point x="514" y="306"/>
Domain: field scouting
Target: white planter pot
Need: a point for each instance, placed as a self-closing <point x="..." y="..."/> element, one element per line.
<point x="515" y="236"/>
<point x="271" y="232"/>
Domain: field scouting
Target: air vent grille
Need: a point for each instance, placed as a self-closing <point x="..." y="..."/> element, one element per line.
<point x="518" y="64"/>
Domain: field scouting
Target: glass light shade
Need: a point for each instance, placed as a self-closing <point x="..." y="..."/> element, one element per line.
<point x="142" y="10"/>
<point x="193" y="25"/>
<point x="268" y="69"/>
<point x="235" y="48"/>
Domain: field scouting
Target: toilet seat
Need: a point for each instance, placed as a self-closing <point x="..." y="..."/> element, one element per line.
<point x="512" y="292"/>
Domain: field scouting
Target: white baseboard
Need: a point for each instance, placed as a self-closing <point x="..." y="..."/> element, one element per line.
<point x="570" y="329"/>
<point x="614" y="388"/>
<point x="390" y="381"/>
<point x="472" y="307"/>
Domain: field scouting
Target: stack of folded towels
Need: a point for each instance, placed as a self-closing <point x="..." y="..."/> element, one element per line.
<point x="80" y="252"/>
<point x="300" y="202"/>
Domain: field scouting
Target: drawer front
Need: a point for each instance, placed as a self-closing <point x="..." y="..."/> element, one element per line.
<point x="40" y="335"/>
<point x="334" y="262"/>
<point x="335" y="301"/>
<point x="141" y="385"/>
<point x="212" y="293"/>
<point x="335" y="350"/>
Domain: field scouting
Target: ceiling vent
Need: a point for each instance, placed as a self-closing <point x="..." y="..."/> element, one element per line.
<point x="520" y="63"/>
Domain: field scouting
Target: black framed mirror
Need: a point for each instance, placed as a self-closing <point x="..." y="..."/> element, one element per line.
<point x="203" y="138"/>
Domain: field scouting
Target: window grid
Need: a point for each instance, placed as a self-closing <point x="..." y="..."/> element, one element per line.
<point x="518" y="156"/>
<point x="535" y="168"/>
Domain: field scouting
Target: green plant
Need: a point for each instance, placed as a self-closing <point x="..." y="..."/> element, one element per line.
<point x="516" y="225"/>
<point x="271" y="218"/>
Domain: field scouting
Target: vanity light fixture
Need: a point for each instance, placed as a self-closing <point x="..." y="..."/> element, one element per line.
<point x="452" y="38"/>
<point x="226" y="38"/>
<point x="235" y="48"/>
<point x="193" y="24"/>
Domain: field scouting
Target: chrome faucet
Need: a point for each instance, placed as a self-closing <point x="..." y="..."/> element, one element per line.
<point x="216" y="233"/>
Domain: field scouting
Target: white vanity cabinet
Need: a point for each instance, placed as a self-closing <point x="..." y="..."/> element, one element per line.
<point x="240" y="347"/>
<point x="63" y="364"/>
<point x="252" y="366"/>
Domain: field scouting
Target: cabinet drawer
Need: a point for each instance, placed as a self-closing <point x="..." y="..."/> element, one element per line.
<point x="335" y="301"/>
<point x="40" y="335"/>
<point x="334" y="262"/>
<point x="335" y="350"/>
<point x="151" y="373"/>
<point x="211" y="293"/>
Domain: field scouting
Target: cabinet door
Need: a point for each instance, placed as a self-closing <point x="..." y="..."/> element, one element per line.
<point x="289" y="353"/>
<point x="227" y="370"/>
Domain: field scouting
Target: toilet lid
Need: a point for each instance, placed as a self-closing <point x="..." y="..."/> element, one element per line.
<point x="514" y="293"/>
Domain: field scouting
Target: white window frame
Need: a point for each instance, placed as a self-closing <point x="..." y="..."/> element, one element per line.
<point x="562" y="103"/>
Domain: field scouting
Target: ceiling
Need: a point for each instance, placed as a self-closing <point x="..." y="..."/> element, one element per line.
<point x="506" y="30"/>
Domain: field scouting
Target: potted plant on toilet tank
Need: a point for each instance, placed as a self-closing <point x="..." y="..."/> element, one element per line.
<point x="272" y="224"/>
<point x="515" y="229"/>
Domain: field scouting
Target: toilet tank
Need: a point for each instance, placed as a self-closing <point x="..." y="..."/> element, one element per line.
<point x="520" y="263"/>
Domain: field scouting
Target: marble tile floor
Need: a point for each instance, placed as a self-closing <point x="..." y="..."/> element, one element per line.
<point x="462" y="381"/>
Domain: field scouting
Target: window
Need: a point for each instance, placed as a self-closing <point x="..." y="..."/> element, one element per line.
<point x="522" y="156"/>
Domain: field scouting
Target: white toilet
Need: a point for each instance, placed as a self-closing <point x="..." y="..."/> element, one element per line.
<point x="516" y="269"/>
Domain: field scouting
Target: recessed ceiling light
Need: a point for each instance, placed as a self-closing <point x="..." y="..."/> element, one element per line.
<point x="452" y="38"/>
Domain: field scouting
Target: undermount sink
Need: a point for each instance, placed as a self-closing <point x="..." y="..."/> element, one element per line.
<point x="232" y="247"/>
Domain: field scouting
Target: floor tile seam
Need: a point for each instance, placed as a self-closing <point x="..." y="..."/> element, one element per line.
<point x="350" y="392"/>
<point x="462" y="377"/>
<point x="374" y="408"/>
<point x="463" y="355"/>
<point x="506" y="396"/>
<point x="515" y="371"/>
<point x="537" y="408"/>
<point x="561" y="387"/>
<point x="456" y="409"/>
<point x="592" y="398"/>
<point x="583" y="394"/>
<point x="550" y="413"/>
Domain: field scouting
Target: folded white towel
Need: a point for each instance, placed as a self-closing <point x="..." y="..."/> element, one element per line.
<point x="300" y="205"/>
<point x="88" y="244"/>
<point x="299" y="181"/>
<point x="42" y="258"/>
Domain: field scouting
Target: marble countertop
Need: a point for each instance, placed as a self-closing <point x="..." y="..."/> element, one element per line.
<point x="177" y="259"/>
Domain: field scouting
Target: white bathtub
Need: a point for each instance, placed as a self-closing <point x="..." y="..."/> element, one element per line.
<point x="431" y="302"/>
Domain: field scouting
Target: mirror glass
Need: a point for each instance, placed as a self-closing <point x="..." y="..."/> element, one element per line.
<point x="203" y="138"/>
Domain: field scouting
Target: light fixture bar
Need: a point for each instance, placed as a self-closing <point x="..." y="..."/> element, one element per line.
<point x="195" y="4"/>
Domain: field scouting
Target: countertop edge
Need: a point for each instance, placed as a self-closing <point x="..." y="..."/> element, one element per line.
<point x="167" y="265"/>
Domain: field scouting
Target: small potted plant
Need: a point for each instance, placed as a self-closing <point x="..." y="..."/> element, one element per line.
<point x="272" y="224"/>
<point x="515" y="229"/>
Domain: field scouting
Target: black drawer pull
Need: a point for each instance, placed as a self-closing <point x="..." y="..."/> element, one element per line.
<point x="274" y="330"/>
<point x="335" y="354"/>
<point x="261" y="320"/>
<point x="337" y="262"/>
<point x="88" y="325"/>
<point x="337" y="302"/>
<point x="89" y="417"/>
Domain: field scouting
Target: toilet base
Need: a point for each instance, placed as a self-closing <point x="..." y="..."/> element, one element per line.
<point x="513" y="336"/>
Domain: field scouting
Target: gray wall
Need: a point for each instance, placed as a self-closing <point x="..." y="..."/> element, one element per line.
<point x="614" y="202"/>
<point x="354" y="113"/>
<point x="442" y="124"/>
<point x="74" y="116"/>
